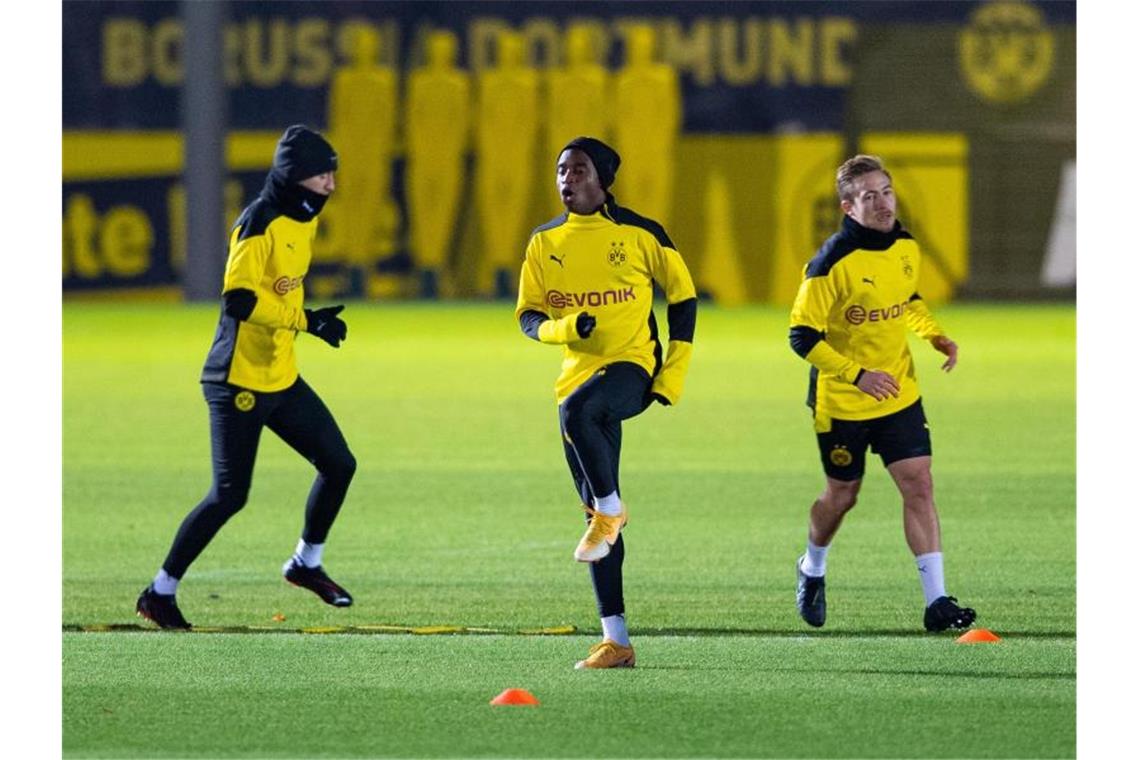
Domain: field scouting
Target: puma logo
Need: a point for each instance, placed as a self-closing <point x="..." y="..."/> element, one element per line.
<point x="870" y="281"/>
<point x="555" y="258"/>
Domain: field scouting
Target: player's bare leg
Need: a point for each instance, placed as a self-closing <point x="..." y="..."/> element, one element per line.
<point x="828" y="510"/>
<point x="920" y="518"/>
<point x="924" y="536"/>
<point x="827" y="513"/>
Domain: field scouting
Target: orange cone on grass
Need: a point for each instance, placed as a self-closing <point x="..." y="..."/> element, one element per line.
<point x="515" y="697"/>
<point x="978" y="636"/>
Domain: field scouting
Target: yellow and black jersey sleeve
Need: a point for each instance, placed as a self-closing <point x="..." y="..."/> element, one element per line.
<point x="811" y="316"/>
<point x="670" y="272"/>
<point x="245" y="269"/>
<point x="532" y="293"/>
<point x="920" y="320"/>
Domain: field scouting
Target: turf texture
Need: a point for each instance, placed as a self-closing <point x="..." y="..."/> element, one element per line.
<point x="462" y="514"/>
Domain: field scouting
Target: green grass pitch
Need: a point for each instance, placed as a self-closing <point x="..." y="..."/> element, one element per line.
<point x="462" y="514"/>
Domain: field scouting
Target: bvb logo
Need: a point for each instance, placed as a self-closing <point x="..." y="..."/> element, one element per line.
<point x="907" y="268"/>
<point x="840" y="456"/>
<point x="1006" y="53"/>
<point x="616" y="255"/>
<point x="245" y="401"/>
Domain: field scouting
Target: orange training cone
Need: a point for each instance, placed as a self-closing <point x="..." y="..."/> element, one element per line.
<point x="515" y="697"/>
<point x="978" y="636"/>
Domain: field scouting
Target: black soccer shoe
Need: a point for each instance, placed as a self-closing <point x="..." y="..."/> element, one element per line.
<point x="161" y="609"/>
<point x="315" y="579"/>
<point x="810" y="598"/>
<point x="944" y="613"/>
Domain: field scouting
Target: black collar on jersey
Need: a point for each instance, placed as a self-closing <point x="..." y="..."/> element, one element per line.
<point x="869" y="239"/>
<point x="608" y="208"/>
<point x="295" y="201"/>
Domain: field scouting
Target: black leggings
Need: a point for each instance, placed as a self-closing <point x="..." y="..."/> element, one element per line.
<point x="299" y="417"/>
<point x="590" y="419"/>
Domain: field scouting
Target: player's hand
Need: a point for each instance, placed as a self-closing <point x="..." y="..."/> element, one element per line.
<point x="950" y="348"/>
<point x="585" y="324"/>
<point x="878" y="384"/>
<point x="658" y="398"/>
<point x="326" y="325"/>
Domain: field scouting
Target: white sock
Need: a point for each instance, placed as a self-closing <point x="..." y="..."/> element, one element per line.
<point x="608" y="505"/>
<point x="309" y="554"/>
<point x="930" y="573"/>
<point x="613" y="628"/>
<point x="165" y="584"/>
<point x="814" y="561"/>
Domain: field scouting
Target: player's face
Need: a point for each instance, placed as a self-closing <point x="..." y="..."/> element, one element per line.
<point x="873" y="202"/>
<point x="322" y="184"/>
<point x="578" y="184"/>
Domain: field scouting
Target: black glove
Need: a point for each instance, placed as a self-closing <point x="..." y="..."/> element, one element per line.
<point x="658" y="398"/>
<point x="585" y="325"/>
<point x="326" y="325"/>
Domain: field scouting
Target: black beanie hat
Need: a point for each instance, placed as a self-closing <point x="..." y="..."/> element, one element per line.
<point x="302" y="153"/>
<point x="606" y="160"/>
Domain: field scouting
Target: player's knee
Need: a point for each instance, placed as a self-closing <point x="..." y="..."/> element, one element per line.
<point x="229" y="501"/>
<point x="917" y="488"/>
<point x="339" y="467"/>
<point x="574" y="415"/>
<point x="344" y="466"/>
<point x="842" y="498"/>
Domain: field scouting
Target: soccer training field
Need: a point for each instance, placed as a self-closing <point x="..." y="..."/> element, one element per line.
<point x="462" y="515"/>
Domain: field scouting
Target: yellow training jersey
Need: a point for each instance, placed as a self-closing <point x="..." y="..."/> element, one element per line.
<point x="269" y="254"/>
<point x="606" y="264"/>
<point x="852" y="312"/>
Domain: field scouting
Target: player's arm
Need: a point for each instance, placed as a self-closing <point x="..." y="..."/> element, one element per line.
<point x="530" y="311"/>
<point x="813" y="303"/>
<point x="244" y="270"/>
<point x="671" y="273"/>
<point x="810" y="311"/>
<point x="922" y="322"/>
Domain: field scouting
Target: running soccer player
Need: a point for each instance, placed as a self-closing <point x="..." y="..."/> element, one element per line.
<point x="587" y="285"/>
<point x="850" y="321"/>
<point x="250" y="378"/>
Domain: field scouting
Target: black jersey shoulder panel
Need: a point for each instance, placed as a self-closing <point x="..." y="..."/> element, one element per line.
<point x="256" y="218"/>
<point x="623" y="215"/>
<point x="557" y="221"/>
<point x="834" y="250"/>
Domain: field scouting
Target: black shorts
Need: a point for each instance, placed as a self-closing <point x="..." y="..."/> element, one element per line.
<point x="901" y="435"/>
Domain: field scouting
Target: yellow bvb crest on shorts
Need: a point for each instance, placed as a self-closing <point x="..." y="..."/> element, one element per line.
<point x="245" y="401"/>
<point x="1006" y="53"/>
<point x="840" y="456"/>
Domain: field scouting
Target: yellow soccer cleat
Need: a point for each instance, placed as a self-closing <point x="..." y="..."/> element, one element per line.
<point x="607" y="654"/>
<point x="600" y="535"/>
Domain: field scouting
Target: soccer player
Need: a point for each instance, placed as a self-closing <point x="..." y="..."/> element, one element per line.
<point x="250" y="378"/>
<point x="850" y="321"/>
<point x="587" y="285"/>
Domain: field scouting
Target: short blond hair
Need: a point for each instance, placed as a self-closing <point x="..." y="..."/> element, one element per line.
<point x="853" y="168"/>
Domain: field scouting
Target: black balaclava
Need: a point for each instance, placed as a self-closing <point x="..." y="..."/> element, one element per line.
<point x="301" y="153"/>
<point x="606" y="160"/>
